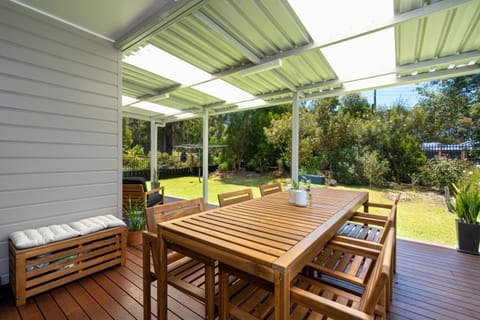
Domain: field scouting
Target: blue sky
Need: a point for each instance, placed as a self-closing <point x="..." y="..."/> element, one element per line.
<point x="389" y="96"/>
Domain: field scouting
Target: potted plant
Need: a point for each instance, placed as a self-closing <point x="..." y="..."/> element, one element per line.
<point x="467" y="208"/>
<point x="136" y="222"/>
<point x="297" y="196"/>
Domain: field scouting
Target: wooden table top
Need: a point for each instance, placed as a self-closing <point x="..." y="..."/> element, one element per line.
<point x="267" y="231"/>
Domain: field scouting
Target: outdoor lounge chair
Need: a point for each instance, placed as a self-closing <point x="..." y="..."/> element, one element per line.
<point x="134" y="191"/>
<point x="192" y="274"/>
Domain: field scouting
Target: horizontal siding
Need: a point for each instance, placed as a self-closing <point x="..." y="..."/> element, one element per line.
<point x="59" y="124"/>
<point x="53" y="106"/>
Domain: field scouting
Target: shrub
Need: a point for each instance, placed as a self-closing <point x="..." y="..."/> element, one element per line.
<point x="225" y="166"/>
<point x="442" y="171"/>
<point x="374" y="169"/>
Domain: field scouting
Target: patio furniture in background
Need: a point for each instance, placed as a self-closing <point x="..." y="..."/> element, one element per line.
<point x="229" y="198"/>
<point x="266" y="189"/>
<point x="134" y="190"/>
<point x="189" y="271"/>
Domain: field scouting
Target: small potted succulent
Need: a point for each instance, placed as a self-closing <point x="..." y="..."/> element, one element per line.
<point x="467" y="208"/>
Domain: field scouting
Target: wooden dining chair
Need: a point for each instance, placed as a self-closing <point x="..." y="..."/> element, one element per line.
<point x="266" y="189"/>
<point x="244" y="296"/>
<point x="193" y="274"/>
<point x="316" y="299"/>
<point x="370" y="226"/>
<point x="350" y="260"/>
<point x="228" y="198"/>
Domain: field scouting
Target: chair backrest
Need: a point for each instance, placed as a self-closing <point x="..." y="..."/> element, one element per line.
<point x="380" y="276"/>
<point x="266" y="189"/>
<point x="133" y="194"/>
<point x="228" y="198"/>
<point x="173" y="210"/>
<point x="135" y="180"/>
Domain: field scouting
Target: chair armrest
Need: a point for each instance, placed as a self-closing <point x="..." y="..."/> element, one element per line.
<point x="369" y="218"/>
<point x="327" y="307"/>
<point x="358" y="249"/>
<point x="150" y="242"/>
<point x="377" y="205"/>
<point x="159" y="190"/>
<point x="354" y="242"/>
<point x="336" y="274"/>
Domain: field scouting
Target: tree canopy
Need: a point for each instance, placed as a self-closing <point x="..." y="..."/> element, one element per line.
<point x="344" y="137"/>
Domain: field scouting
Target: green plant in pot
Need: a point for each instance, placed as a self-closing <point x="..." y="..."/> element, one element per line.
<point x="467" y="208"/>
<point x="297" y="196"/>
<point x="136" y="221"/>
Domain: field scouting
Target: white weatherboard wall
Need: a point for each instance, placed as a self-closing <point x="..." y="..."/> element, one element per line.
<point x="60" y="125"/>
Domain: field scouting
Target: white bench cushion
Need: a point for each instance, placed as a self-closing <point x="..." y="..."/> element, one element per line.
<point x="44" y="235"/>
<point x="37" y="237"/>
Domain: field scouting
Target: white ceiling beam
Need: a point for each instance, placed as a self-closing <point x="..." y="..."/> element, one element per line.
<point x="172" y="12"/>
<point x="422" y="77"/>
<point x="226" y="36"/>
<point x="472" y="55"/>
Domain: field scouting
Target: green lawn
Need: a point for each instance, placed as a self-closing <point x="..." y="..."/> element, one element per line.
<point x="421" y="216"/>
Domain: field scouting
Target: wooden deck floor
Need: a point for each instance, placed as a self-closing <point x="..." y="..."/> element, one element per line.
<point x="431" y="283"/>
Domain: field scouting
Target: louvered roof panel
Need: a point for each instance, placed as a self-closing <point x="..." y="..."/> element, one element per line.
<point x="145" y="78"/>
<point x="442" y="34"/>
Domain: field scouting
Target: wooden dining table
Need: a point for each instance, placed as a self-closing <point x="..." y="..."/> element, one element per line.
<point x="267" y="237"/>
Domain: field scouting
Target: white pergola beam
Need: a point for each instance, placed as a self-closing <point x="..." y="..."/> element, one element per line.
<point x="205" y="155"/>
<point x="295" y="135"/>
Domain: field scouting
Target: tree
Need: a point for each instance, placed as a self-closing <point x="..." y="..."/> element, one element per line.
<point x="246" y="140"/>
<point x="392" y="133"/>
<point x="127" y="138"/>
<point x="374" y="168"/>
<point x="452" y="107"/>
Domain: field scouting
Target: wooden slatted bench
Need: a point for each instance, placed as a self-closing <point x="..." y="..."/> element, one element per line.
<point x="38" y="269"/>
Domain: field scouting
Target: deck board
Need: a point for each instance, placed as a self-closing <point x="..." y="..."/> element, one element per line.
<point x="432" y="282"/>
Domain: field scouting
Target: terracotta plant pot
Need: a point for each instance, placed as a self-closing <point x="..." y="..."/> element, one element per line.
<point x="134" y="238"/>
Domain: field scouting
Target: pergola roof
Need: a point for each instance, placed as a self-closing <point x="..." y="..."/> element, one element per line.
<point x="250" y="53"/>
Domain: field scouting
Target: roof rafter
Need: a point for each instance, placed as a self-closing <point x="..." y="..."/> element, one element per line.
<point x="402" y="18"/>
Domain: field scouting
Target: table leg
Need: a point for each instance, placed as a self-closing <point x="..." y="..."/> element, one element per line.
<point x="223" y="293"/>
<point x="162" y="302"/>
<point x="147" y="297"/>
<point x="210" y="290"/>
<point x="282" y="296"/>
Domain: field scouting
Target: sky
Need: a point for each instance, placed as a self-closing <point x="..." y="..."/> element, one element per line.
<point x="389" y="96"/>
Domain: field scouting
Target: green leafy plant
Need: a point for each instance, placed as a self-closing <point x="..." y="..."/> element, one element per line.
<point x="135" y="214"/>
<point x="295" y="185"/>
<point x="467" y="202"/>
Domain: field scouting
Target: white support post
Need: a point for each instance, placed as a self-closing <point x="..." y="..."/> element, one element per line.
<point x="295" y="136"/>
<point x="153" y="148"/>
<point x="205" y="155"/>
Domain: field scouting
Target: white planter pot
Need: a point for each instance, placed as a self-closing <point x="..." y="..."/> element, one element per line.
<point x="291" y="196"/>
<point x="301" y="198"/>
<point x="298" y="197"/>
